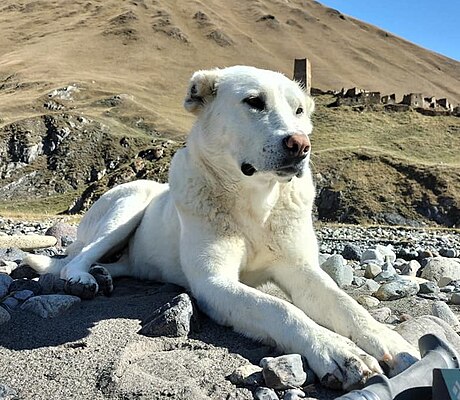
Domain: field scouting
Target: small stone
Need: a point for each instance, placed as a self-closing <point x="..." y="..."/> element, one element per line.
<point x="368" y="301"/>
<point x="10" y="303"/>
<point x="424" y="254"/>
<point x="335" y="266"/>
<point x="386" y="276"/>
<point x="407" y="254"/>
<point x="25" y="284"/>
<point x="381" y="314"/>
<point x="294" y="394"/>
<point x="351" y="252"/>
<point x="428" y="287"/>
<point x="444" y="281"/>
<point x="455" y="298"/>
<point x="6" y="266"/>
<point x="405" y="317"/>
<point x="388" y="267"/>
<point x="247" y="375"/>
<point x="442" y="310"/>
<point x="6" y="393"/>
<point x="358" y="281"/>
<point x="4" y="318"/>
<point x="372" y="270"/>
<point x="12" y="254"/>
<point x="47" y="282"/>
<point x="23" y="295"/>
<point x="263" y="393"/>
<point x="63" y="232"/>
<point x="284" y="372"/>
<point x="322" y="258"/>
<point x="50" y="305"/>
<point x="372" y="256"/>
<point x="174" y="319"/>
<point x="27" y="242"/>
<point x="449" y="253"/>
<point x="411" y="268"/>
<point x="371" y="285"/>
<point x="5" y="282"/>
<point x="24" y="272"/>
<point x="447" y="289"/>
<point x="396" y="290"/>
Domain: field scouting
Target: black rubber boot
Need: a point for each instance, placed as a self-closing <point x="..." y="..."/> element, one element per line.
<point x="415" y="383"/>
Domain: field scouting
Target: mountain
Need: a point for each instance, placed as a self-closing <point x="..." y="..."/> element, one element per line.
<point x="90" y="86"/>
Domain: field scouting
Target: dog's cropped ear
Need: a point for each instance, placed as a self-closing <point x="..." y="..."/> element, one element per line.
<point x="201" y="90"/>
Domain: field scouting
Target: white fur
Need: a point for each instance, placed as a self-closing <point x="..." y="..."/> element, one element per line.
<point x="221" y="233"/>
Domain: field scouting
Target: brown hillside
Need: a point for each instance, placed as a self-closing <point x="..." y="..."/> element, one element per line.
<point x="148" y="49"/>
<point x="91" y="95"/>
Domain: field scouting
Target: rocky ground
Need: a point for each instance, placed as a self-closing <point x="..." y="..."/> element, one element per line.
<point x="55" y="346"/>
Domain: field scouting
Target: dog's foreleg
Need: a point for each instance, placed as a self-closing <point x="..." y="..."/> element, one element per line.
<point x="314" y="291"/>
<point x="211" y="263"/>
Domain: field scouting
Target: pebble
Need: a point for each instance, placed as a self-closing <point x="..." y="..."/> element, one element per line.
<point x="372" y="256"/>
<point x="428" y="287"/>
<point x="445" y="281"/>
<point x="6" y="267"/>
<point x="27" y="242"/>
<point x="352" y="252"/>
<point x="24" y="272"/>
<point x="358" y="281"/>
<point x="50" y="305"/>
<point x="443" y="311"/>
<point x="174" y="319"/>
<point x="294" y="394"/>
<point x="264" y="393"/>
<point x="335" y="266"/>
<point x="371" y="285"/>
<point x="23" y="295"/>
<point x="6" y="393"/>
<point x="455" y="299"/>
<point x="5" y="282"/>
<point x="12" y="254"/>
<point x="4" y="317"/>
<point x="25" y="284"/>
<point x="283" y="372"/>
<point x="411" y="268"/>
<point x="368" y="301"/>
<point x="396" y="290"/>
<point x="247" y="375"/>
<point x="64" y="233"/>
<point x="381" y="314"/>
<point x="450" y="253"/>
<point x="372" y="270"/>
<point x="438" y="267"/>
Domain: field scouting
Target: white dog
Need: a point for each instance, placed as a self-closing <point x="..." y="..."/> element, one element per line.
<point x="236" y="214"/>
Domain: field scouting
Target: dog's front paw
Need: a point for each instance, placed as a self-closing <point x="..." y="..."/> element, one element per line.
<point x="388" y="347"/>
<point x="341" y="364"/>
<point x="81" y="284"/>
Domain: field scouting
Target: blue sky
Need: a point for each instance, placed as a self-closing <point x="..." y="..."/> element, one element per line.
<point x="433" y="24"/>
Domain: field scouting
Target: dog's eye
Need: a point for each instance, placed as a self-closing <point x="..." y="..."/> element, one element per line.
<point x="257" y="103"/>
<point x="299" y="111"/>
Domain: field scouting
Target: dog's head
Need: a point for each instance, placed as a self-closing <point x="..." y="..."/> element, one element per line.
<point x="256" y="121"/>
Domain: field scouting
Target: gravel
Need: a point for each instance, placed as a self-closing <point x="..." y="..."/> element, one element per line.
<point x="67" y="348"/>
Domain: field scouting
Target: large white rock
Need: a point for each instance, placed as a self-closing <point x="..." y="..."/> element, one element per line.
<point x="438" y="267"/>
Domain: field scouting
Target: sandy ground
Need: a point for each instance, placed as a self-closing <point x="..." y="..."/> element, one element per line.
<point x="93" y="351"/>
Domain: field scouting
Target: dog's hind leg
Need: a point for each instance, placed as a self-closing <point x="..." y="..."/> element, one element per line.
<point x="108" y="225"/>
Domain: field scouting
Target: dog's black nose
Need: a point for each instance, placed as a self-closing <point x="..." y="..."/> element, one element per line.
<point x="298" y="145"/>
